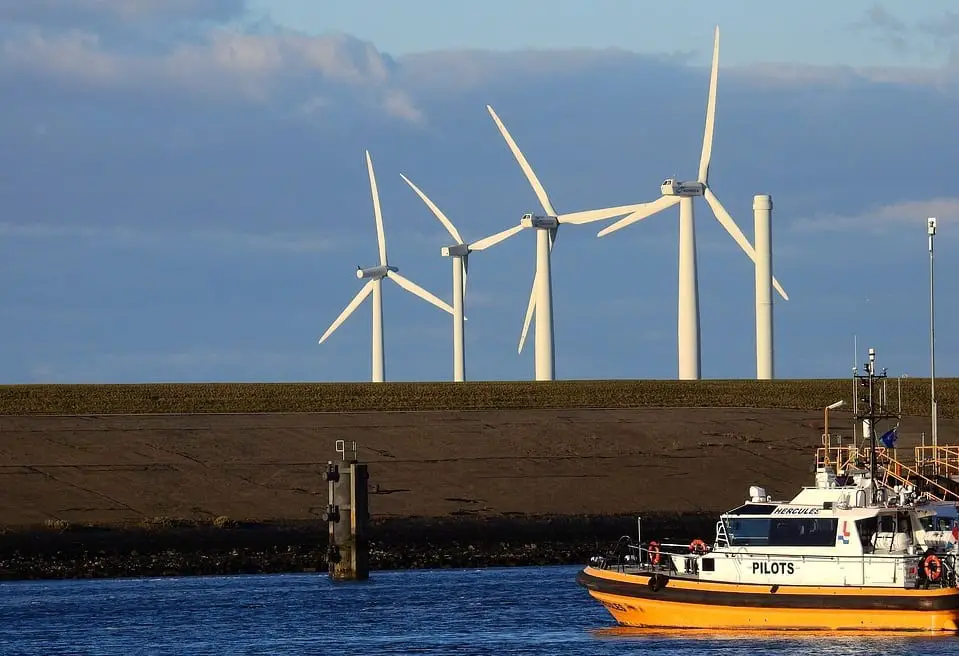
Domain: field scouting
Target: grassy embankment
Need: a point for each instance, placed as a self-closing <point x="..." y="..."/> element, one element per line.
<point x="366" y="397"/>
<point x="220" y="545"/>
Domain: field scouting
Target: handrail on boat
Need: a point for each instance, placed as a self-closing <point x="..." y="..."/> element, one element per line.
<point x="896" y="472"/>
<point x="846" y="456"/>
<point x="945" y="459"/>
<point x="640" y="558"/>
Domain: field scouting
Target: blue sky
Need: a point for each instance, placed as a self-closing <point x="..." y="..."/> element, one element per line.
<point x="185" y="196"/>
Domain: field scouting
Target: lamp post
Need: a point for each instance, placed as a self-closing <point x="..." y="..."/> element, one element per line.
<point x="932" y="343"/>
<point x="825" y="422"/>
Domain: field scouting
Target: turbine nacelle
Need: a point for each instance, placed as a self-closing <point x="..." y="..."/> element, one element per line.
<point x="459" y="250"/>
<point x="545" y="222"/>
<point x="674" y="187"/>
<point x="376" y="272"/>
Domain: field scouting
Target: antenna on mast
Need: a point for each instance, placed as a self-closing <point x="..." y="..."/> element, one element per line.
<point x="855" y="388"/>
<point x="871" y="408"/>
<point x="855" y="351"/>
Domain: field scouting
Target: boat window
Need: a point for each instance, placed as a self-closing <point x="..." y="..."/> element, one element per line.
<point x="803" y="532"/>
<point x="936" y="523"/>
<point x="782" y="531"/>
<point x="866" y="528"/>
<point x="753" y="509"/>
<point x="887" y="523"/>
<point x="748" y="532"/>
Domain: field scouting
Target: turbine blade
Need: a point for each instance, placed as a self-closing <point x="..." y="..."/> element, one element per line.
<point x="413" y="288"/>
<point x="527" y="169"/>
<point x="380" y="237"/>
<point x="779" y="288"/>
<point x="492" y="240"/>
<point x="529" y="316"/>
<point x="348" y="310"/>
<point x="436" y="211"/>
<point x="648" y="209"/>
<point x="589" y="216"/>
<point x="710" y="114"/>
<point x="729" y="224"/>
<point x="553" y="232"/>
<point x="466" y="270"/>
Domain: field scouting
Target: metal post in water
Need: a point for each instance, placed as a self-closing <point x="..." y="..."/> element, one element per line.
<point x="347" y="517"/>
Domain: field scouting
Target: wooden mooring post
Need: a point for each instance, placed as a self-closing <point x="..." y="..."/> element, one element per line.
<point x="347" y="515"/>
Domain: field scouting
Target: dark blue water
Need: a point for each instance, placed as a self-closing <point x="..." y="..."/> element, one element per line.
<point x="494" y="611"/>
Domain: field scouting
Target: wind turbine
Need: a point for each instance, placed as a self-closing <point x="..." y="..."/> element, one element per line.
<point x="673" y="192"/>
<point x="459" y="254"/>
<point x="373" y="285"/>
<point x="547" y="227"/>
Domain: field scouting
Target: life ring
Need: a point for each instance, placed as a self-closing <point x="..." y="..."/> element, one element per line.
<point x="653" y="551"/>
<point x="698" y="546"/>
<point x="932" y="566"/>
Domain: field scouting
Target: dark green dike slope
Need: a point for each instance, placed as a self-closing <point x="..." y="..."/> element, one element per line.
<point x="355" y="397"/>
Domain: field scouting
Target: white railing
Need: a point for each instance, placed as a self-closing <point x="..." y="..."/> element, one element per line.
<point x="660" y="559"/>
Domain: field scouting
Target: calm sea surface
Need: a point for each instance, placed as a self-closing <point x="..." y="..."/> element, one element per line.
<point x="494" y="611"/>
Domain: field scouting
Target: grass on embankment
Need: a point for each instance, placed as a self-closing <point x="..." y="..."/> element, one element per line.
<point x="353" y="397"/>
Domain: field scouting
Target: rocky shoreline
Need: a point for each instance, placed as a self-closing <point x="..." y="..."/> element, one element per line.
<point x="193" y="549"/>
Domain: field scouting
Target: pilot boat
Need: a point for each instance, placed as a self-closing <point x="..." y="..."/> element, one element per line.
<point x="851" y="552"/>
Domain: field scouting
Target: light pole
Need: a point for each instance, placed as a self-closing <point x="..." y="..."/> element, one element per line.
<point x="831" y="406"/>
<point x="826" y="439"/>
<point x="932" y="343"/>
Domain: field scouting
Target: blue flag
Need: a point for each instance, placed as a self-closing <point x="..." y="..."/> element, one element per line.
<point x="889" y="438"/>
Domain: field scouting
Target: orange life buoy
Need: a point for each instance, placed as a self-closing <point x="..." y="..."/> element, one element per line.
<point x="698" y="546"/>
<point x="932" y="566"/>
<point x="653" y="551"/>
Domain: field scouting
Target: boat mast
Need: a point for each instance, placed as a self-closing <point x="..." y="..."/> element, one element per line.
<point x="871" y="408"/>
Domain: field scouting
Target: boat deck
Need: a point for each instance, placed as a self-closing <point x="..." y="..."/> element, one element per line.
<point x="899" y="569"/>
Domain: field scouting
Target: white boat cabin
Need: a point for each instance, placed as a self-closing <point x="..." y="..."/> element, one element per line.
<point x="827" y="535"/>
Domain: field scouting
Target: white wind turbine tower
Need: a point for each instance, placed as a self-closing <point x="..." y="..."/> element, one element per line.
<point x="673" y="192"/>
<point x="541" y="296"/>
<point x="459" y="254"/>
<point x="374" y="283"/>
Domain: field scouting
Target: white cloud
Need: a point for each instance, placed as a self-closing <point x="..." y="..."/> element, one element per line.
<point x="399" y="104"/>
<point x="120" y="237"/>
<point x="286" y="242"/>
<point x="72" y="54"/>
<point x="307" y="75"/>
<point x="337" y="57"/>
<point x="889" y="27"/>
<point x="283" y="67"/>
<point x="467" y="69"/>
<point x="781" y="74"/>
<point x="945" y="27"/>
<point x="786" y="74"/>
<point x="73" y="12"/>
<point x="884" y="219"/>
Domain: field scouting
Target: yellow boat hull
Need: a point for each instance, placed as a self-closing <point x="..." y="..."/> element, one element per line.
<point x="636" y="601"/>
